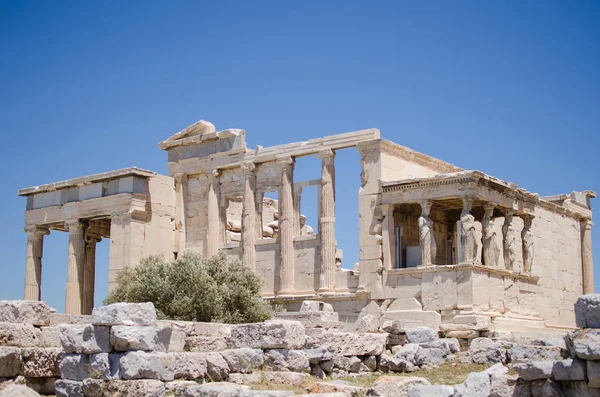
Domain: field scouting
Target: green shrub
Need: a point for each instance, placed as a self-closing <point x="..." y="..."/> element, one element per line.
<point x="193" y="288"/>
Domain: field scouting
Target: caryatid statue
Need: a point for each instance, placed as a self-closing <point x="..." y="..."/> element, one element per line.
<point x="426" y="236"/>
<point x="491" y="241"/>
<point x="468" y="232"/>
<point x="527" y="241"/>
<point x="510" y="240"/>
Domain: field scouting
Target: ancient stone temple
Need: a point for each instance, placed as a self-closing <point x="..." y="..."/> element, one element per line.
<point x="439" y="245"/>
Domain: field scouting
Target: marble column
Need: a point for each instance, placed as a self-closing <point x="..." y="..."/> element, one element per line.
<point x="75" y="266"/>
<point x="389" y="237"/>
<point x="327" y="221"/>
<point x="587" y="264"/>
<point x="33" y="261"/>
<point x="258" y="217"/>
<point x="249" y="216"/>
<point x="213" y="237"/>
<point x="286" y="227"/>
<point x="180" y="199"/>
<point x="89" y="272"/>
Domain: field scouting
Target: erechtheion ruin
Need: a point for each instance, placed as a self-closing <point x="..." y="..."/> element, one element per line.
<point x="439" y="245"/>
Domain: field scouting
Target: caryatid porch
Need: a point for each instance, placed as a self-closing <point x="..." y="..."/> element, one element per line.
<point x="127" y="206"/>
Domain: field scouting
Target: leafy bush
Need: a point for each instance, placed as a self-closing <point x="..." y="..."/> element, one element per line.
<point x="193" y="288"/>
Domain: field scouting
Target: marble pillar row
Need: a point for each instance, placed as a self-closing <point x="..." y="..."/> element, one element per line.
<point x="215" y="229"/>
<point x="286" y="227"/>
<point x="389" y="237"/>
<point x="89" y="272"/>
<point x="33" y="262"/>
<point x="75" y="266"/>
<point x="327" y="221"/>
<point x="587" y="264"/>
<point x="249" y="216"/>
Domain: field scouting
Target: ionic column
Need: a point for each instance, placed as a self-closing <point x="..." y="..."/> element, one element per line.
<point x="180" y="198"/>
<point x="89" y="272"/>
<point x="389" y="237"/>
<point x="249" y="216"/>
<point x="587" y="265"/>
<point x="286" y="227"/>
<point x="75" y="266"/>
<point x="327" y="221"/>
<point x="259" y="209"/>
<point x="33" y="261"/>
<point x="213" y="237"/>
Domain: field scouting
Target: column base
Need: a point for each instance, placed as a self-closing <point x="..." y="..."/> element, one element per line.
<point x="285" y="294"/>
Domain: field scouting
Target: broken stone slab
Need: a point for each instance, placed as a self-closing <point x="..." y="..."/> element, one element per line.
<point x="216" y="367"/>
<point x="271" y="334"/>
<point x="395" y="385"/>
<point x="284" y="378"/>
<point x="85" y="338"/>
<point x="18" y="391"/>
<point x="488" y="351"/>
<point x="243" y="360"/>
<point x="40" y="363"/>
<point x="466" y="334"/>
<point x="49" y="337"/>
<point x="534" y="370"/>
<point x="393" y="364"/>
<point x="317" y="355"/>
<point x="147" y="365"/>
<point x="147" y="338"/>
<point x="370" y="363"/>
<point x="217" y="389"/>
<point x="316" y="306"/>
<point x="44" y="386"/>
<point x="25" y="312"/>
<point x="286" y="360"/>
<point x="10" y="361"/>
<point x="587" y="311"/>
<point x="367" y="323"/>
<point x="105" y="366"/>
<point x="57" y="319"/>
<point x="448" y="345"/>
<point x="246" y="379"/>
<point x="348" y="364"/>
<point x="189" y="366"/>
<point x="19" y="335"/>
<point x="431" y="391"/>
<point x="585" y="344"/>
<point x="342" y="386"/>
<point x="477" y="384"/>
<point x="75" y="367"/>
<point x="125" y="314"/>
<point x="143" y="387"/>
<point x="569" y="369"/>
<point x="421" y="335"/>
<point x="406" y="352"/>
<point x="267" y="393"/>
<point x="197" y="343"/>
<point x="351" y="343"/>
<point x="336" y="394"/>
<point x="429" y="356"/>
<point x="68" y="388"/>
<point x="197" y="328"/>
<point x="319" y="320"/>
<point x="525" y="353"/>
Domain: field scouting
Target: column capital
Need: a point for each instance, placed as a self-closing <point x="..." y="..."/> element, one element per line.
<point x="285" y="161"/>
<point x="467" y="203"/>
<point x="326" y="154"/>
<point x="425" y="207"/>
<point x="73" y="224"/>
<point x="180" y="177"/>
<point x="586" y="223"/>
<point x="36" y="230"/>
<point x="248" y="167"/>
<point x="387" y="208"/>
<point x="213" y="175"/>
<point x="490" y="206"/>
<point x="509" y="212"/>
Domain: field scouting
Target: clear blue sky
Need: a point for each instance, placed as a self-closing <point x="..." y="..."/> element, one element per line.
<point x="511" y="88"/>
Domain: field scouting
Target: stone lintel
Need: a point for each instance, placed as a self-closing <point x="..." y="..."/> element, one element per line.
<point x="464" y="267"/>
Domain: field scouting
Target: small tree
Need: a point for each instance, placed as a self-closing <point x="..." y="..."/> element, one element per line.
<point x="193" y="288"/>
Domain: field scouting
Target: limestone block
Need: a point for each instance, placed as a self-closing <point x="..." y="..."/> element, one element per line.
<point x="18" y="391"/>
<point x="367" y="323"/>
<point x="217" y="389"/>
<point x="342" y="386"/>
<point x="407" y="352"/>
<point x="587" y="311"/>
<point x="351" y="344"/>
<point x="476" y="384"/>
<point x="271" y="334"/>
<point x="25" y="312"/>
<point x="43" y="386"/>
<point x="246" y="379"/>
<point x="68" y="388"/>
<point x="50" y="337"/>
<point x="189" y="365"/>
<point x="75" y="367"/>
<point x="525" y="353"/>
<point x="10" y="361"/>
<point x="504" y="386"/>
<point x="413" y="318"/>
<point x="430" y="356"/>
<point x="177" y="341"/>
<point x="421" y="335"/>
<point x="370" y="363"/>
<point x="177" y="387"/>
<point x="534" y="370"/>
<point x="148" y="338"/>
<point x="317" y="355"/>
<point x="393" y="364"/>
<point x="40" y="363"/>
<point x="216" y="367"/>
<point x="266" y="393"/>
<point x="104" y="366"/>
<point x="579" y="389"/>
<point x="19" y="335"/>
<point x="197" y="343"/>
<point x="146" y="388"/>
<point x="569" y="369"/>
<point x="85" y="338"/>
<point x="94" y="387"/>
<point x="585" y="344"/>
<point x="243" y="360"/>
<point x="593" y="373"/>
<point x="316" y="306"/>
<point x="431" y="391"/>
<point x="145" y="365"/>
<point x="395" y="385"/>
<point x="327" y="365"/>
<point x="348" y="364"/>
<point x="447" y="345"/>
<point x="286" y="360"/>
<point x="462" y="334"/>
<point x="125" y="314"/>
<point x="487" y="351"/>
<point x="284" y="378"/>
<point x="439" y="290"/>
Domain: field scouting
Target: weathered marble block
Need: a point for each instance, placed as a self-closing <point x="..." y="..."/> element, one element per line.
<point x="85" y="339"/>
<point x="68" y="388"/>
<point x="19" y="335"/>
<point x="587" y="311"/>
<point x="125" y="314"/>
<point x="272" y="334"/>
<point x="197" y="343"/>
<point x="10" y="361"/>
<point x="41" y="363"/>
<point x="25" y="312"/>
<point x="148" y="338"/>
<point x="243" y="360"/>
<point x="351" y="343"/>
<point x="190" y="365"/>
<point x="145" y="365"/>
